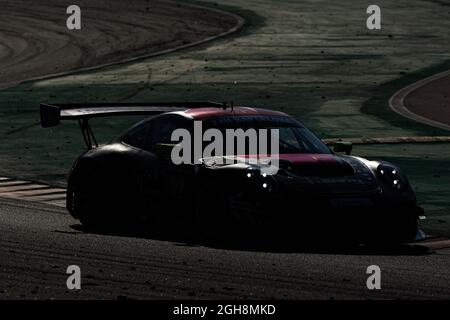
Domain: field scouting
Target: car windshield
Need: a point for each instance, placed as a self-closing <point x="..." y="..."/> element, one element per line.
<point x="300" y="140"/>
<point x="293" y="137"/>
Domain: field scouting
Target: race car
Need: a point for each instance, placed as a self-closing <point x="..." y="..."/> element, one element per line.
<point x="315" y="190"/>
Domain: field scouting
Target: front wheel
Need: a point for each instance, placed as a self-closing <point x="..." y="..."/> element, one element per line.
<point x="408" y="229"/>
<point x="399" y="231"/>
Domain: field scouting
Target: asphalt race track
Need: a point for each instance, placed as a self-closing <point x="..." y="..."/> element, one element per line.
<point x="38" y="242"/>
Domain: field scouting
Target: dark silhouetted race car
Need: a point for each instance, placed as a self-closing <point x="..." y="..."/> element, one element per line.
<point x="314" y="192"/>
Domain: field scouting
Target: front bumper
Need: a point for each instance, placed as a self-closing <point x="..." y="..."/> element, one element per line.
<point x="347" y="217"/>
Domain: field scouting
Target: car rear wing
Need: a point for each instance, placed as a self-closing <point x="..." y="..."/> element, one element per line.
<point x="53" y="114"/>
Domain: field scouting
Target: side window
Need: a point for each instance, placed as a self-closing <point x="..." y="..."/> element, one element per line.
<point x="161" y="131"/>
<point x="136" y="136"/>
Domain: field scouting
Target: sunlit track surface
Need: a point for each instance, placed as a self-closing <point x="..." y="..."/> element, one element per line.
<point x="30" y="191"/>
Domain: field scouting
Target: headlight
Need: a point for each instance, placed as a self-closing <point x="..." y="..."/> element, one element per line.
<point x="261" y="180"/>
<point x="391" y="176"/>
<point x="253" y="172"/>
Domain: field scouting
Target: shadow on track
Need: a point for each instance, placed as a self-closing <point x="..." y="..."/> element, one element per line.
<point x="260" y="243"/>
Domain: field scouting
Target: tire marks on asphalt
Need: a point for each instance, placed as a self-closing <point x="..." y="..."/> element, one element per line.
<point x="30" y="191"/>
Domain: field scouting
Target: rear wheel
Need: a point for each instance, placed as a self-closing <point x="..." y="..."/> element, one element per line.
<point x="85" y="209"/>
<point x="90" y="199"/>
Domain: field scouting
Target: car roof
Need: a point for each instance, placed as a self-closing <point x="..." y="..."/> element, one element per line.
<point x="205" y="113"/>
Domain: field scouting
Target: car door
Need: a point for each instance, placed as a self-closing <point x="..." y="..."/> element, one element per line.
<point x="140" y="167"/>
<point x="174" y="182"/>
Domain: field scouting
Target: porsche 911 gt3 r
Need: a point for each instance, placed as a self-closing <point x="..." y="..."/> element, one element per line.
<point x="314" y="191"/>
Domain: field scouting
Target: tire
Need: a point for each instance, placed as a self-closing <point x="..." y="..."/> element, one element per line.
<point x="86" y="212"/>
<point x="408" y="230"/>
<point x="402" y="231"/>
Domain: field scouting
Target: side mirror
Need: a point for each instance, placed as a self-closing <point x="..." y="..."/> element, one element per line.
<point x="164" y="150"/>
<point x="343" y="146"/>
